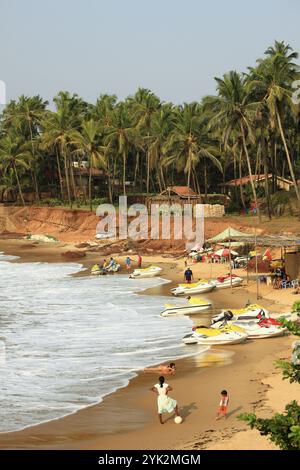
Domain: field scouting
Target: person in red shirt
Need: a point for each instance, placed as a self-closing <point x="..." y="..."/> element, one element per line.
<point x="139" y="261"/>
<point x="223" y="405"/>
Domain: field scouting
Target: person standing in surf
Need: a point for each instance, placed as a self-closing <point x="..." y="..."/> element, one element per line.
<point x="165" y="404"/>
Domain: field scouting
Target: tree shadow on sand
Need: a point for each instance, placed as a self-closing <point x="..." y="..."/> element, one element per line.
<point x="184" y="411"/>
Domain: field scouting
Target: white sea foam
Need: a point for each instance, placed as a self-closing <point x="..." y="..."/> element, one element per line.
<point x="68" y="341"/>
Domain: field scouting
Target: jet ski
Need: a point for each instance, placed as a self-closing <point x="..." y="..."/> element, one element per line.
<point x="195" y="305"/>
<point x="251" y="312"/>
<point x="227" y="281"/>
<point x="265" y="328"/>
<point x="213" y="337"/>
<point x="146" y="272"/>
<point x="195" y="288"/>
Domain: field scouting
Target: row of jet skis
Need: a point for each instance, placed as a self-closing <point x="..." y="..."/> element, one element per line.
<point x="201" y="286"/>
<point x="229" y="326"/>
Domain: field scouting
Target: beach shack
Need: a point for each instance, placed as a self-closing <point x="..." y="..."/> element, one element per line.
<point x="181" y="195"/>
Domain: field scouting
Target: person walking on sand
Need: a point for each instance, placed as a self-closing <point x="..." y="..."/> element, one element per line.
<point x="165" y="404"/>
<point x="128" y="263"/>
<point x="139" y="261"/>
<point x="188" y="275"/>
<point x="222" y="411"/>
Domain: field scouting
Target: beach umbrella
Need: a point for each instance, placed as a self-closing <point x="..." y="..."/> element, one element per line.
<point x="224" y="252"/>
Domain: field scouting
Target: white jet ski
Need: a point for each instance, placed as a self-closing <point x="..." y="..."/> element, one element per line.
<point x="195" y="305"/>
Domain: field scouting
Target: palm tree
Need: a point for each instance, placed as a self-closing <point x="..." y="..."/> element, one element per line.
<point x="189" y="142"/>
<point x="271" y="81"/>
<point x="120" y="136"/>
<point x="161" y="126"/>
<point x="87" y="141"/>
<point x="235" y="112"/>
<point x="14" y="155"/>
<point x="26" y="115"/>
<point x="57" y="131"/>
<point x="145" y="104"/>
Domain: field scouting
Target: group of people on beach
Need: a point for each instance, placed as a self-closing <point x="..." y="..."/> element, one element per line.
<point x="166" y="404"/>
<point x="111" y="264"/>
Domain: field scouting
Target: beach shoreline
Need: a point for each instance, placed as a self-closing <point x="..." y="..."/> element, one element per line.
<point x="129" y="414"/>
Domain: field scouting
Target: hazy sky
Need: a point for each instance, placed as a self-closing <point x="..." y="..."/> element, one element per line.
<point x="173" y="47"/>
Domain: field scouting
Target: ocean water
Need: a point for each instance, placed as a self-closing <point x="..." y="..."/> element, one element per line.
<point x="66" y="342"/>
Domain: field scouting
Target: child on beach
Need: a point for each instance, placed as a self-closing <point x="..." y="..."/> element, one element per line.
<point x="165" y="404"/>
<point x="223" y="405"/>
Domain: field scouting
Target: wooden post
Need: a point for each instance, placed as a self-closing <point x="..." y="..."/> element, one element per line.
<point x="256" y="267"/>
<point x="230" y="269"/>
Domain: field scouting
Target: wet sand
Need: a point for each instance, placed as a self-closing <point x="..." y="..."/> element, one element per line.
<point x="127" y="419"/>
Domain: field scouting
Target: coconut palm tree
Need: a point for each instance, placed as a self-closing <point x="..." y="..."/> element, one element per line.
<point x="161" y="126"/>
<point x="120" y="136"/>
<point x="14" y="155"/>
<point x="57" y="130"/>
<point x="144" y="105"/>
<point x="189" y="143"/>
<point x="87" y="142"/>
<point x="26" y="115"/>
<point x="235" y="113"/>
<point x="271" y="81"/>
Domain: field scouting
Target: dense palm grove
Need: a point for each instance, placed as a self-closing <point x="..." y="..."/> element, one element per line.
<point x="249" y="128"/>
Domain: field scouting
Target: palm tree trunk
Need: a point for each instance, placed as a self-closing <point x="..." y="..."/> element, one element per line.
<point x="240" y="176"/>
<point x="33" y="155"/>
<point x="163" y="177"/>
<point x="124" y="173"/>
<point x="136" y="167"/>
<point x="148" y="166"/>
<point x="67" y="175"/>
<point x="249" y="169"/>
<point x="19" y="185"/>
<point x="90" y="185"/>
<point x="59" y="173"/>
<point x="205" y="181"/>
<point x="198" y="189"/>
<point x="73" y="182"/>
<point x="288" y="159"/>
<point x="189" y="175"/>
<point x="265" y="163"/>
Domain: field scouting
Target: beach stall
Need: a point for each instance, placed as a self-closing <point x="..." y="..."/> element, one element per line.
<point x="225" y="237"/>
<point x="290" y="259"/>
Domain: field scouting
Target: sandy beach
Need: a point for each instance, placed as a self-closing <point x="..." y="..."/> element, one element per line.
<point x="127" y="419"/>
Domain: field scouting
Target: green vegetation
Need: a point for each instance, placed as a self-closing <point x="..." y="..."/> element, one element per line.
<point x="249" y="128"/>
<point x="283" y="428"/>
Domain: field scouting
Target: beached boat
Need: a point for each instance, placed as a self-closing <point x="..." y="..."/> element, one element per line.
<point x="253" y="311"/>
<point x="195" y="305"/>
<point x="227" y="281"/>
<point x="199" y="287"/>
<point x="213" y="337"/>
<point x="152" y="271"/>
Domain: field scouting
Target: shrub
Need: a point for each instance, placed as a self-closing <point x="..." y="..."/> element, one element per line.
<point x="284" y="429"/>
<point x="52" y="202"/>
